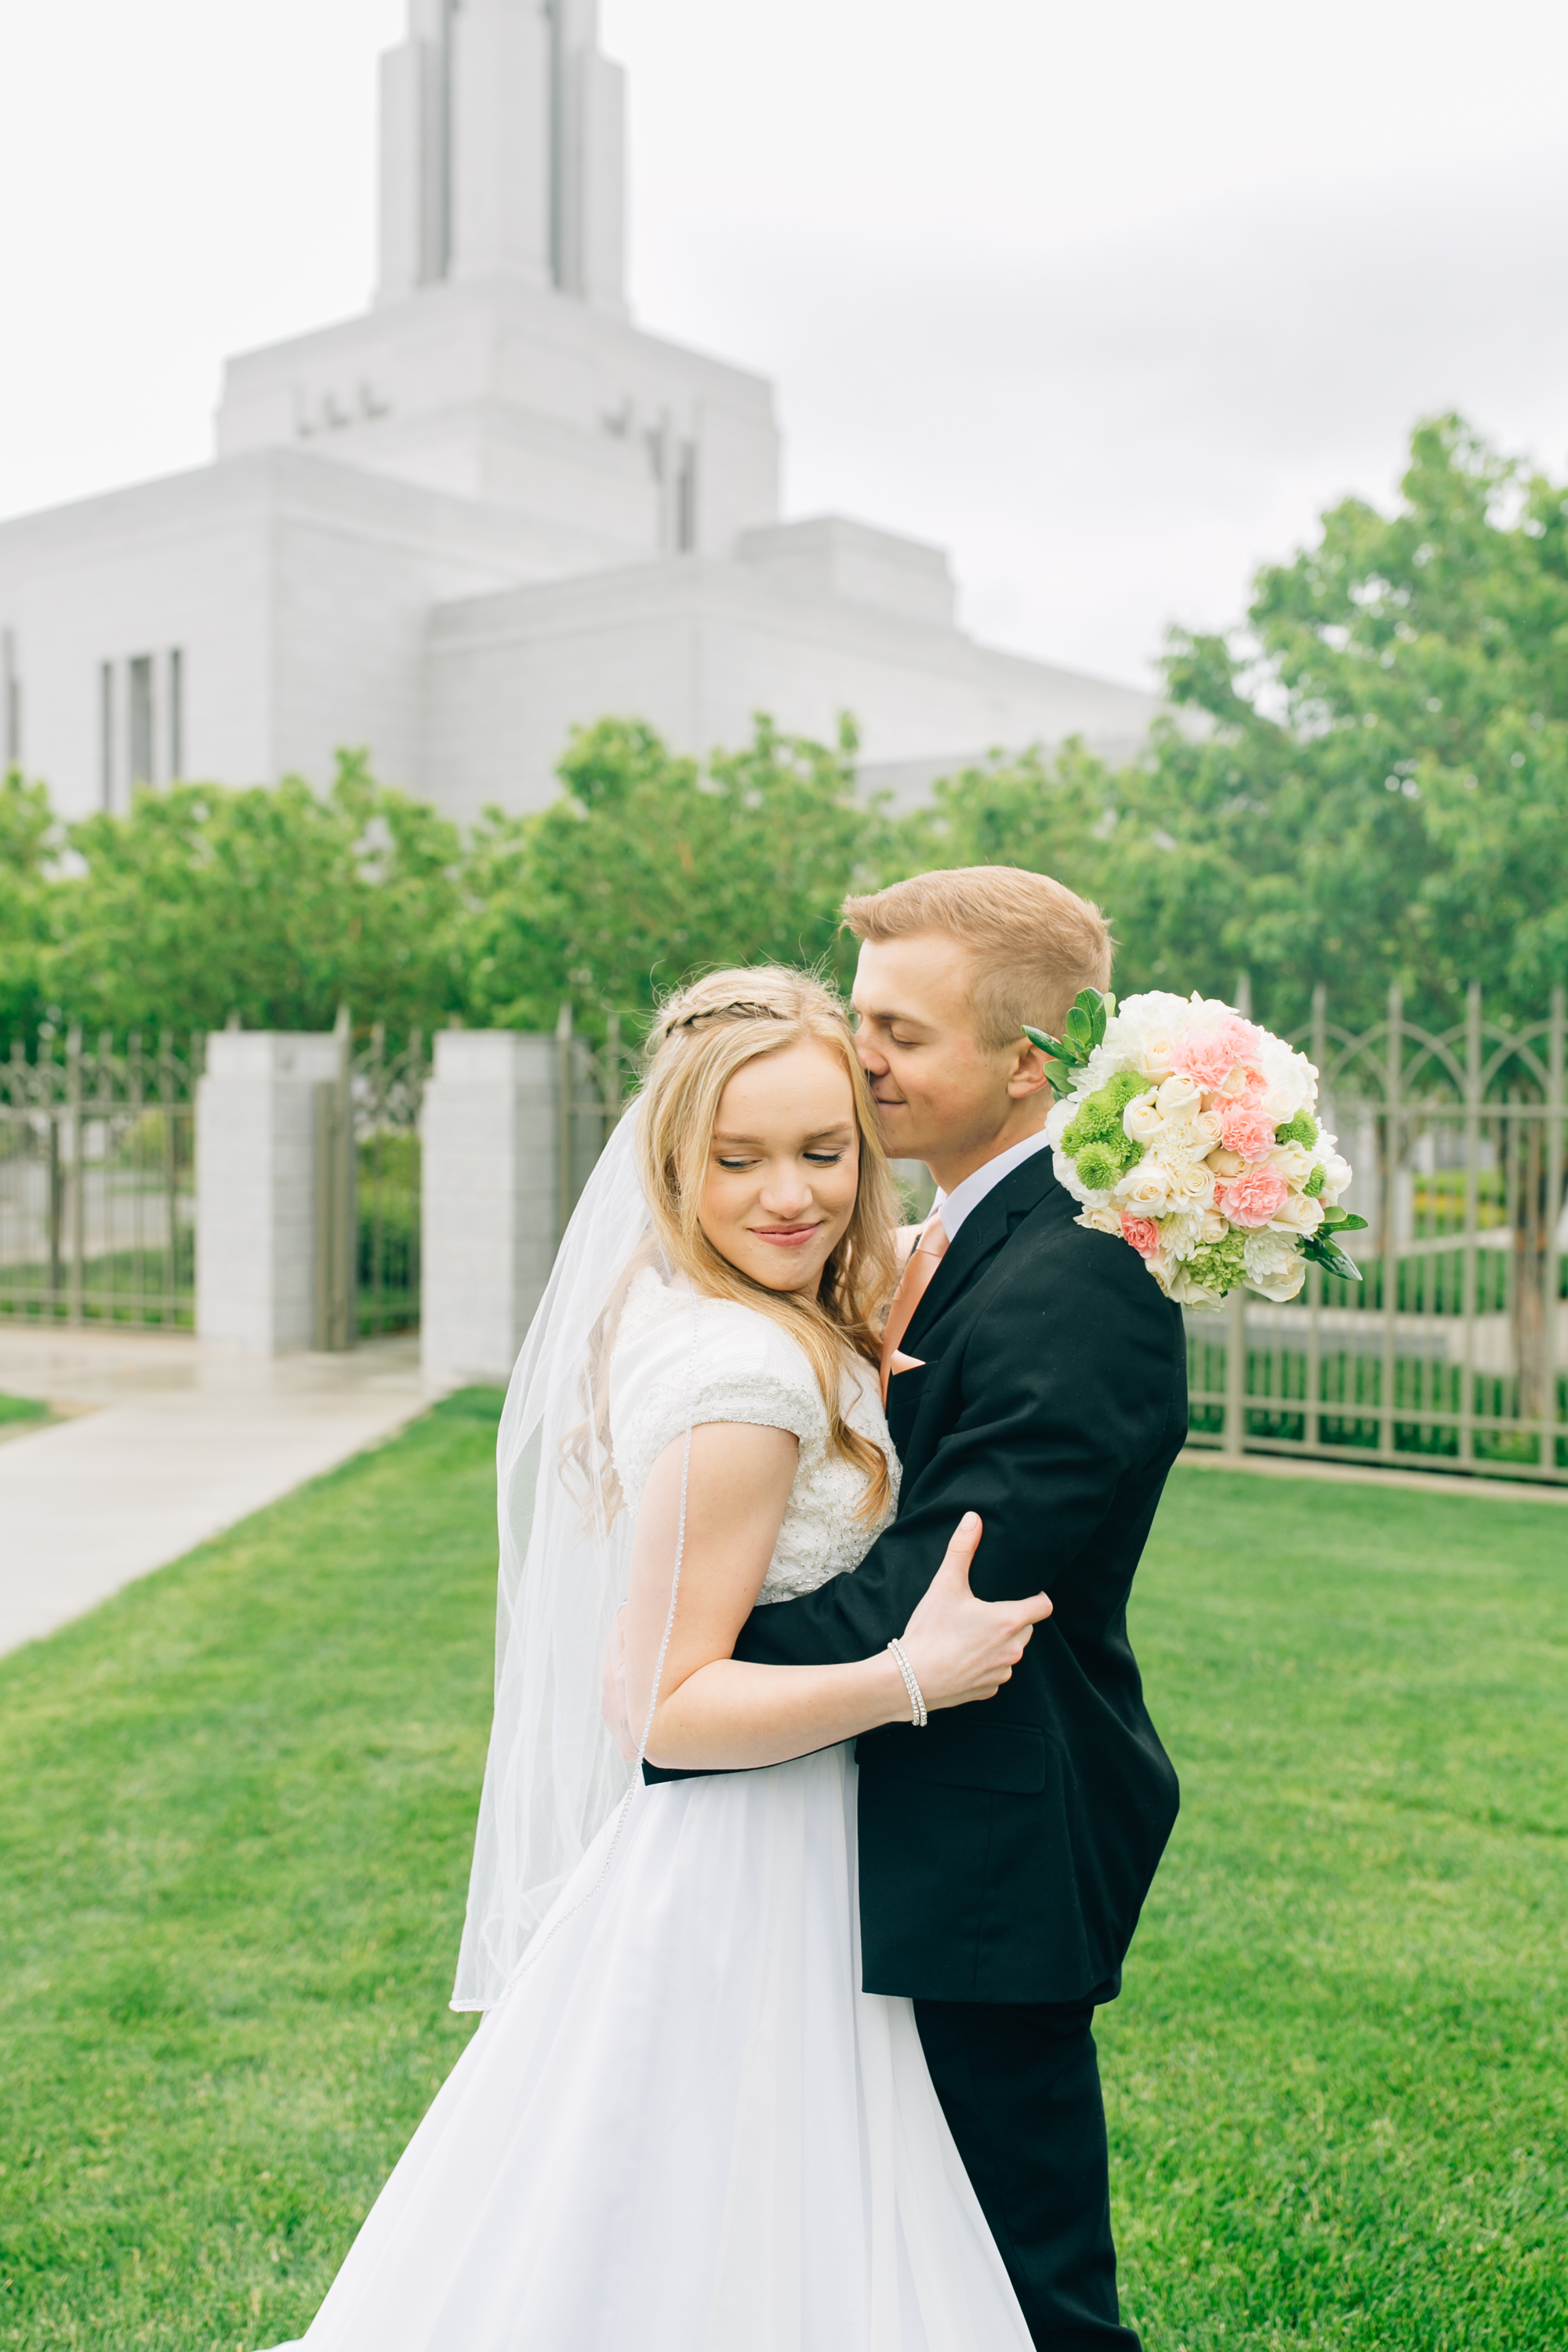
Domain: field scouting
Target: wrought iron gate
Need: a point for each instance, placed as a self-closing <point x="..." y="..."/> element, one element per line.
<point x="1453" y="1352"/>
<point x="96" y="1181"/>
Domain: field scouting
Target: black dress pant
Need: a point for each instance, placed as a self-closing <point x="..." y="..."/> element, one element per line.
<point x="1019" y="2084"/>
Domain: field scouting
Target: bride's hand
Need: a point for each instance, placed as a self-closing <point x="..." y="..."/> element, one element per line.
<point x="960" y="1648"/>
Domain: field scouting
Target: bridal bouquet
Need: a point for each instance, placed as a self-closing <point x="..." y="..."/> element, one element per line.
<point x="1193" y="1135"/>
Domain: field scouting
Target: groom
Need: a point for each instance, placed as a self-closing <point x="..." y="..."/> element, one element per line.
<point x="1034" y="1373"/>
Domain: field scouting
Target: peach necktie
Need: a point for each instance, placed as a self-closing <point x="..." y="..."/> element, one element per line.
<point x="924" y="1259"/>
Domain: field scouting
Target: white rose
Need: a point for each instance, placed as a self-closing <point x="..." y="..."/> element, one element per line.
<point x="1144" y="1191"/>
<point x="1156" y="1054"/>
<point x="1102" y="1221"/>
<point x="1226" y="1163"/>
<point x="1191" y="1144"/>
<point x="1297" y="1214"/>
<point x="1178" y="1098"/>
<point x="1191" y="1187"/>
<point x="1212" y="1226"/>
<point x="1184" y="1287"/>
<point x="1336" y="1176"/>
<point x="1293" y="1160"/>
<point x="1142" y="1120"/>
<point x="1207" y="1129"/>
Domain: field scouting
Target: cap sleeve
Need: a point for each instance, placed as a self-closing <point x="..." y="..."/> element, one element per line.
<point x="681" y="1361"/>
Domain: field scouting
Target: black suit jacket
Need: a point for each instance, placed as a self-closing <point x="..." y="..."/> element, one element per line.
<point x="1006" y="1848"/>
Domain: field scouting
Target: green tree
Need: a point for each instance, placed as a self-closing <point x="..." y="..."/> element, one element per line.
<point x="1424" y="656"/>
<point x="1370" y="784"/>
<point x="647" y="868"/>
<point x="274" y="903"/>
<point x="29" y="843"/>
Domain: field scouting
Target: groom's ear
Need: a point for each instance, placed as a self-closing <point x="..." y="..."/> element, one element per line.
<point x="1029" y="1072"/>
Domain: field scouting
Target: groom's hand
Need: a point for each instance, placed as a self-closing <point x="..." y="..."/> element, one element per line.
<point x="960" y="1648"/>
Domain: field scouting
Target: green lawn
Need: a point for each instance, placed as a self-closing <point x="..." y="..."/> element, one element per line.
<point x="1339" y="2075"/>
<point x="17" y="1409"/>
<point x="234" y="1844"/>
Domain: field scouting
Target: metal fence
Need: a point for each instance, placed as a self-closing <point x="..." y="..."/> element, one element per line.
<point x="96" y="1181"/>
<point x="1452" y="1354"/>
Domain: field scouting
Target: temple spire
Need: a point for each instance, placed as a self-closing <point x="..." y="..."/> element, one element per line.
<point x="503" y="142"/>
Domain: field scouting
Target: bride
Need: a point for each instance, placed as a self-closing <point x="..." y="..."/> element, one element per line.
<point x="681" y="2125"/>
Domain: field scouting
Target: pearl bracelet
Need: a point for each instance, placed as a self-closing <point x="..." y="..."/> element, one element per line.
<point x="917" y="1704"/>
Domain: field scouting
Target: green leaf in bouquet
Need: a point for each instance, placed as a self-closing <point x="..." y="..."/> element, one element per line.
<point x="1330" y="1256"/>
<point x="1085" y="1027"/>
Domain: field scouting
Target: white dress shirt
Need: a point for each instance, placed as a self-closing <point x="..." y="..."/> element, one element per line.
<point x="955" y="1206"/>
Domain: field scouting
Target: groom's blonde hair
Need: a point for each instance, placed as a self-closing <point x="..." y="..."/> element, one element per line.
<point x="1032" y="942"/>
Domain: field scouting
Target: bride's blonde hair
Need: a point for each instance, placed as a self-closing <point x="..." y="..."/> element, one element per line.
<point x="701" y="1038"/>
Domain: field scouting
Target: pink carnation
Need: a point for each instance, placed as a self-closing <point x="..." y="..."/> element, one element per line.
<point x="1251" y="1197"/>
<point x="1244" y="1129"/>
<point x="1142" y="1232"/>
<point x="1245" y="1038"/>
<point x="1206" y="1056"/>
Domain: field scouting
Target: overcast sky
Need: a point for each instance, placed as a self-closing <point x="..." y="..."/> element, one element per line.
<point x="1108" y="300"/>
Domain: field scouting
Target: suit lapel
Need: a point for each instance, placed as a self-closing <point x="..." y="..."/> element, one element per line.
<point x="980" y="1236"/>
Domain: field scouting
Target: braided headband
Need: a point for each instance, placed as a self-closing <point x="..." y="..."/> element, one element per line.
<point x="713" y="1013"/>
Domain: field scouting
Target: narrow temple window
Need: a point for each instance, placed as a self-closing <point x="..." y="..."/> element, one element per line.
<point x="176" y="710"/>
<point x="106" y="734"/>
<point x="10" y="700"/>
<point x="142" y="719"/>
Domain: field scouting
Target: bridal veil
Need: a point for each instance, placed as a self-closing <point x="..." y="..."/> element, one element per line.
<point x="553" y="1775"/>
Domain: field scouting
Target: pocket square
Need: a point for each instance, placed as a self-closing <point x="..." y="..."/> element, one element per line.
<point x="898" y="1363"/>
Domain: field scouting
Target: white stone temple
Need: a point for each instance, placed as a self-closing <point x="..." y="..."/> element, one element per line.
<point x="488" y="509"/>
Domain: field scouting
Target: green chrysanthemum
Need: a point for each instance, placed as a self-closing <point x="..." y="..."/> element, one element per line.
<point x="1099" y="1120"/>
<point x="1302" y="1128"/>
<point x="1099" y="1166"/>
<point x="1314" y="1184"/>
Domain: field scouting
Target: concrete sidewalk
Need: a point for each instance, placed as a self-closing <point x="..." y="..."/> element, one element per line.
<point x="167" y="1440"/>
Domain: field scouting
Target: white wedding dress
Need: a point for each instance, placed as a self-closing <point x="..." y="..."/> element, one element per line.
<point x="684" y="2127"/>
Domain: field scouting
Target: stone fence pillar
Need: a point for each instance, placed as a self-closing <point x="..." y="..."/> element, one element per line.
<point x="489" y="1181"/>
<point x="256" y="1187"/>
